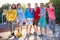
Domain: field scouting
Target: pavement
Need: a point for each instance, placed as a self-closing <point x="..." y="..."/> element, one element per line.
<point x="4" y="32"/>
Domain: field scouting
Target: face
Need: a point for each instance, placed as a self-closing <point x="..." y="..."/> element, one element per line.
<point x="36" y="5"/>
<point x="29" y="6"/>
<point x="41" y="5"/>
<point x="50" y="5"/>
<point x="18" y="6"/>
<point x="13" y="6"/>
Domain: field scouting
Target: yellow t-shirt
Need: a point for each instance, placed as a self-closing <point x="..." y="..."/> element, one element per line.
<point x="11" y="15"/>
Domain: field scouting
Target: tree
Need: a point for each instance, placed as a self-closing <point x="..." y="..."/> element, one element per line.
<point x="6" y="6"/>
<point x="1" y="10"/>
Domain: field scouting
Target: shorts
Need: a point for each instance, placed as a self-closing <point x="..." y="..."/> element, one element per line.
<point x="42" y="22"/>
<point x="20" y="22"/>
<point x="35" y="22"/>
<point x="29" y="21"/>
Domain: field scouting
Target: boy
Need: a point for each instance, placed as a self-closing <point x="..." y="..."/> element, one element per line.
<point x="29" y="14"/>
<point x="52" y="18"/>
<point x="36" y="18"/>
<point x="42" y="19"/>
<point x="20" y="17"/>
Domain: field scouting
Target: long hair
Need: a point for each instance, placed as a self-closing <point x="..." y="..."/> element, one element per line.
<point x="14" y="6"/>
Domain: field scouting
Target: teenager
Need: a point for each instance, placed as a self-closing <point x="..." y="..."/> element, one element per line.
<point x="29" y="14"/>
<point x="11" y="17"/>
<point x="52" y="19"/>
<point x="20" y="17"/>
<point x="42" y="21"/>
<point x="36" y="18"/>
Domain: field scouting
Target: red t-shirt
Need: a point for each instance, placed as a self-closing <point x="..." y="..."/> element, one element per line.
<point x="37" y="13"/>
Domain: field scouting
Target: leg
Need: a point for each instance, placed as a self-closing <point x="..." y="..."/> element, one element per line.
<point x="30" y="29"/>
<point x="30" y="23"/>
<point x="35" y="28"/>
<point x="53" y="26"/>
<point x="41" y="25"/>
<point x="50" y="24"/>
<point x="10" y="26"/>
<point x="27" y="29"/>
<point x="44" y="24"/>
<point x="34" y="25"/>
<point x="21" y="29"/>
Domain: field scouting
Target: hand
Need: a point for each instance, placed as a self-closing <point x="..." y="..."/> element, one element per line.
<point x="45" y="7"/>
<point x="38" y="14"/>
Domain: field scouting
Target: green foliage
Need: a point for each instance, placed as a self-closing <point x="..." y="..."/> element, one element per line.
<point x="6" y="6"/>
<point x="57" y="9"/>
<point x="1" y="10"/>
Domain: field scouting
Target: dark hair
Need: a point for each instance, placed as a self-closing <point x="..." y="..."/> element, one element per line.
<point x="18" y="4"/>
<point x="42" y="4"/>
<point x="36" y="3"/>
<point x="14" y="6"/>
<point x="29" y="4"/>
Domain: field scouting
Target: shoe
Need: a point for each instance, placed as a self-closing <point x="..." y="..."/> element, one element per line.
<point x="30" y="34"/>
<point x="10" y="36"/>
<point x="53" y="36"/>
<point x="0" y="36"/>
<point x="44" y="35"/>
<point x="35" y="34"/>
<point x="40" y="35"/>
<point x="18" y="34"/>
<point x="27" y="35"/>
<point x="13" y="34"/>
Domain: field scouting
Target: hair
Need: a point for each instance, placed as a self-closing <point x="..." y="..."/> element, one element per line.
<point x="18" y="4"/>
<point x="36" y="3"/>
<point x="42" y="4"/>
<point x="29" y="4"/>
<point x="14" y="6"/>
<point x="51" y="4"/>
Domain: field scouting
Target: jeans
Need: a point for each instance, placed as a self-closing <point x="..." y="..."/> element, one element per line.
<point x="52" y="25"/>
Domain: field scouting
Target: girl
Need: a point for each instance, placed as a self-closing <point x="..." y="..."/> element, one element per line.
<point x="42" y="19"/>
<point x="52" y="18"/>
<point x="11" y="17"/>
<point x="20" y="17"/>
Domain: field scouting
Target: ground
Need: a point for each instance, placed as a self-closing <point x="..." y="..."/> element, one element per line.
<point x="4" y="32"/>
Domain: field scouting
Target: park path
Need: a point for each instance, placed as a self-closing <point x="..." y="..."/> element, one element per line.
<point x="4" y="32"/>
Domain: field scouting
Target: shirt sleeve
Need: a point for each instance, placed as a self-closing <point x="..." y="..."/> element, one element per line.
<point x="25" y="13"/>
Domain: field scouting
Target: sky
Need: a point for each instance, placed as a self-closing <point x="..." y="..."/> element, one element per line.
<point x="23" y="1"/>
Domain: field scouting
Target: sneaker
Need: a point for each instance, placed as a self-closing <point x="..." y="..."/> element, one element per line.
<point x="57" y="33"/>
<point x="0" y="36"/>
<point x="13" y="34"/>
<point x="44" y="35"/>
<point x="53" y="36"/>
<point x="30" y="34"/>
<point x="40" y="35"/>
<point x="10" y="36"/>
<point x="27" y="35"/>
<point x="35" y="34"/>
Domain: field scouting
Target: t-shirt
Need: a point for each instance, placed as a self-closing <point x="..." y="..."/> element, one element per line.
<point x="51" y="13"/>
<point x="37" y="13"/>
<point x="43" y="12"/>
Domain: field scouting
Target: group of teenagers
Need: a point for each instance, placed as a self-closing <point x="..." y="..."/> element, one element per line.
<point x="32" y="17"/>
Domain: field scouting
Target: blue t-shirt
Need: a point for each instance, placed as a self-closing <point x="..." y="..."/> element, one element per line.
<point x="42" y="12"/>
<point x="20" y="14"/>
